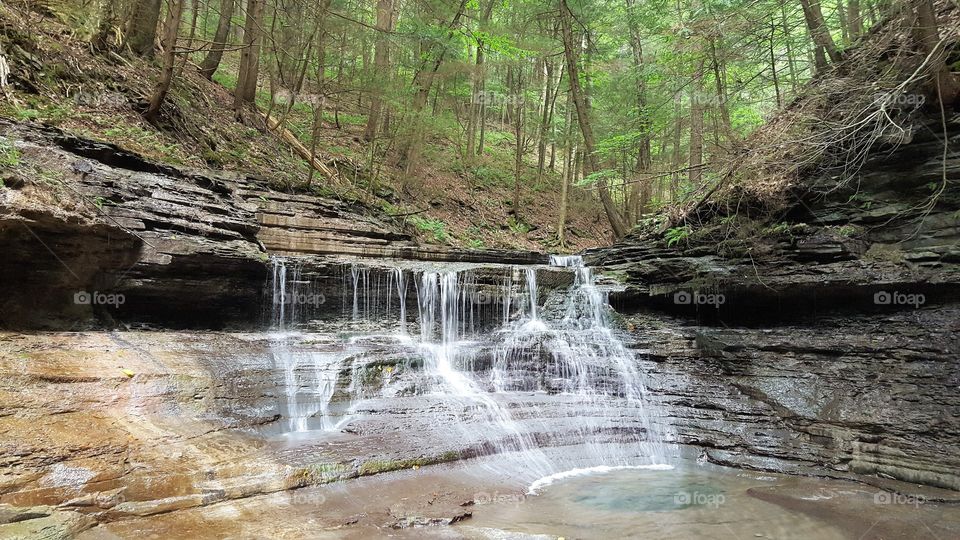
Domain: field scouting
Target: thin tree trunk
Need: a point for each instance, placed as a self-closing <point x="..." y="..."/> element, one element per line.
<point x="567" y="170"/>
<point x="545" y="119"/>
<point x="721" y="92"/>
<point x="477" y="97"/>
<point x="381" y="60"/>
<point x="854" y="19"/>
<point x="695" y="173"/>
<point x="944" y="84"/>
<point x="677" y="134"/>
<point x="787" y="39"/>
<point x="211" y="62"/>
<point x="640" y="189"/>
<point x="516" y="89"/>
<point x="773" y="66"/>
<point x="844" y="27"/>
<point x="818" y="29"/>
<point x="422" y="83"/>
<point x="174" y="14"/>
<point x="591" y="163"/>
<point x="246" y="91"/>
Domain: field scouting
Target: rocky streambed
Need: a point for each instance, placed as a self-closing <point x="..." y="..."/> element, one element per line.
<point x="285" y="365"/>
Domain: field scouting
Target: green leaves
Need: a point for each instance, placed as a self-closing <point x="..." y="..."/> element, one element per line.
<point x="606" y="174"/>
<point x="676" y="235"/>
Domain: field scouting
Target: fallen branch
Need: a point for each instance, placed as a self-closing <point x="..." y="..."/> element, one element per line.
<point x="288" y="137"/>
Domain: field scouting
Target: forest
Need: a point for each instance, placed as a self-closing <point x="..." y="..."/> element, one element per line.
<point x="630" y="109"/>
<point x="479" y="269"/>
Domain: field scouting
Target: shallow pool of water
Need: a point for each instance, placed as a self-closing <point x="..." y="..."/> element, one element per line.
<point x="706" y="501"/>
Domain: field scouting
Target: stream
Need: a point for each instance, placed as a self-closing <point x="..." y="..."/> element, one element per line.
<point x="407" y="400"/>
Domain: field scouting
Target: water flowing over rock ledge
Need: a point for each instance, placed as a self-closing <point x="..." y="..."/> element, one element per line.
<point x="374" y="365"/>
<point x="485" y="361"/>
<point x="823" y="344"/>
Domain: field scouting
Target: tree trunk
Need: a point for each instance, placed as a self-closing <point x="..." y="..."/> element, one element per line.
<point x="773" y="66"/>
<point x="105" y="39"/>
<point x="640" y="188"/>
<point x="422" y="82"/>
<point x="677" y="134"/>
<point x="944" y="85"/>
<point x="844" y="27"/>
<point x="143" y="27"/>
<point x="516" y="90"/>
<point x="174" y="14"/>
<point x="854" y="19"/>
<point x="591" y="164"/>
<point x="477" y="78"/>
<point x="786" y="37"/>
<point x="211" y="62"/>
<point x="545" y="119"/>
<point x="381" y="61"/>
<point x="818" y="29"/>
<point x="721" y="92"/>
<point x="246" y="91"/>
<point x="695" y="173"/>
<point x="567" y="170"/>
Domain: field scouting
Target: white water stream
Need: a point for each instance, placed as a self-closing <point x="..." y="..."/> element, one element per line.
<point x="486" y="343"/>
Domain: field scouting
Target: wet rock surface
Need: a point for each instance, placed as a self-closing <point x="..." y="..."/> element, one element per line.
<point x="823" y="343"/>
<point x="800" y="369"/>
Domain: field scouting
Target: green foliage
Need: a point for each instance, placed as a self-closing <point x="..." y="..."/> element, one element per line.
<point x="434" y="226"/>
<point x="676" y="235"/>
<point x="517" y="226"/>
<point x="488" y="176"/>
<point x="9" y="154"/>
<point x="606" y="174"/>
<point x="778" y="229"/>
<point x="848" y="231"/>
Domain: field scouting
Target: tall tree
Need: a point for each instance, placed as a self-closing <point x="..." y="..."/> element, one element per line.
<point x="567" y="177"/>
<point x="172" y="27"/>
<point x="695" y="173"/>
<point x="818" y="29"/>
<point x="246" y="91"/>
<point x="944" y="84"/>
<point x="591" y="163"/>
<point x="640" y="187"/>
<point x="211" y="61"/>
<point x="423" y="82"/>
<point x="854" y="19"/>
<point x="142" y="31"/>
<point x="381" y="62"/>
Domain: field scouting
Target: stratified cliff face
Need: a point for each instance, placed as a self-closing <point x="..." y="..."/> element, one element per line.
<point x="823" y="340"/>
<point x="97" y="236"/>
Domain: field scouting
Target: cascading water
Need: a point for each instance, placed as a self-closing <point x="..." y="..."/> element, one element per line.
<point x="514" y="368"/>
<point x="309" y="376"/>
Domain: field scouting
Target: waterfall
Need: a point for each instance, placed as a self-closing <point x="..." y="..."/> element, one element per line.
<point x="493" y="348"/>
<point x="309" y="377"/>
